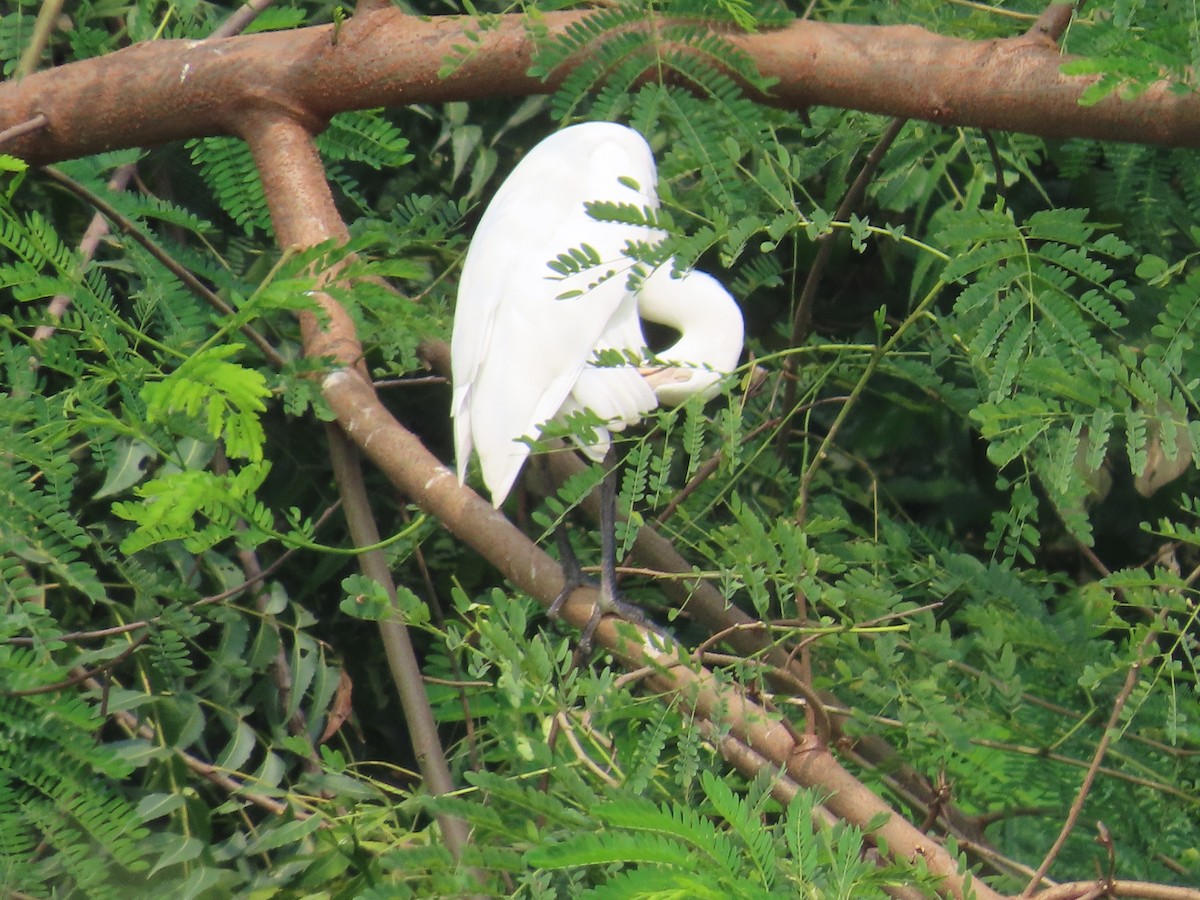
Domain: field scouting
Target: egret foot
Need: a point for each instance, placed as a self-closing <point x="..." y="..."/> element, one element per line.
<point x="613" y="606"/>
<point x="603" y="607"/>
<point x="607" y="603"/>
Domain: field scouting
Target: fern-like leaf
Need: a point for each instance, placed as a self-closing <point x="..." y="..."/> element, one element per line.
<point x="227" y="397"/>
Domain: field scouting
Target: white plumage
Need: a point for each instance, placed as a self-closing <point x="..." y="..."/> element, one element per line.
<point x="522" y="354"/>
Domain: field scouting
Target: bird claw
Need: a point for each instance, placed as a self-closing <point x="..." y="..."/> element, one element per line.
<point x="567" y="591"/>
<point x="608" y="606"/>
<point x="588" y="634"/>
<point x="598" y="609"/>
<point x="603" y="606"/>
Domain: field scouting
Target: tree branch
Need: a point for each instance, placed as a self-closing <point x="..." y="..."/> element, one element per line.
<point x="161" y="91"/>
<point x="303" y="213"/>
<point x="411" y="467"/>
<point x="1145" y="890"/>
<point x="1131" y="678"/>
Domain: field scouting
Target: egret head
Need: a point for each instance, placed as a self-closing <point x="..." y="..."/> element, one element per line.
<point x="711" y="334"/>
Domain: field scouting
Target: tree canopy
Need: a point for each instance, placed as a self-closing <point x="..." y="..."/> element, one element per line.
<point x="922" y="577"/>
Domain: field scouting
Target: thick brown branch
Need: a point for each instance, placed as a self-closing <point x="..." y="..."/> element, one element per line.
<point x="303" y="214"/>
<point x="1141" y="889"/>
<point x="164" y="91"/>
<point x="708" y="606"/>
<point x="432" y="486"/>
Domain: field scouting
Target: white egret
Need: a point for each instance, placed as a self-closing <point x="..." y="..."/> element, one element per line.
<point x="523" y="351"/>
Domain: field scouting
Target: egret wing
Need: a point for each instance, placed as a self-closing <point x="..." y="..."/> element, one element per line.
<point x="523" y="337"/>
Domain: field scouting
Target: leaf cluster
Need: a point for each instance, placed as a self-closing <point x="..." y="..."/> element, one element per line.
<point x="976" y="515"/>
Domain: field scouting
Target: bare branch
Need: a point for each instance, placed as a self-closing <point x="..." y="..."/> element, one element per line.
<point x="163" y="91"/>
<point x="1052" y="23"/>
<point x="34" y="123"/>
<point x="303" y="213"/>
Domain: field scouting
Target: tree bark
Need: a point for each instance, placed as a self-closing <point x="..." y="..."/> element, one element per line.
<point x="161" y="91"/>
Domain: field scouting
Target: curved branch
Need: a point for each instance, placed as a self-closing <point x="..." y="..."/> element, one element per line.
<point x="414" y="470"/>
<point x="1076" y="890"/>
<point x="161" y="91"/>
<point x="303" y="213"/>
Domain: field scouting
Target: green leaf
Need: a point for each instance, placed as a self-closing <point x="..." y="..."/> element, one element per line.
<point x="225" y="397"/>
<point x="176" y="849"/>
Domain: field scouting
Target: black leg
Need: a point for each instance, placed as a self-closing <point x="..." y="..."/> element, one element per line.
<point x="572" y="571"/>
<point x="609" y="601"/>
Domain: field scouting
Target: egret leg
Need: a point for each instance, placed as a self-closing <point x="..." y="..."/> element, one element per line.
<point x="609" y="601"/>
<point x="573" y="576"/>
<point x="608" y="535"/>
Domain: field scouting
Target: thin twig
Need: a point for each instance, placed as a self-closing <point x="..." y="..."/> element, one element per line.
<point x="802" y="319"/>
<point x="78" y="674"/>
<point x="43" y="27"/>
<point x="1066" y="712"/>
<point x="37" y="123"/>
<point x="997" y="163"/>
<point x="565" y="728"/>
<point x="1051" y="756"/>
<point x="190" y="281"/>
<point x="240" y="19"/>
<point x="95" y="232"/>
<point x="1131" y="678"/>
<point x="703" y="473"/>
<point x="868" y="372"/>
<point x="1052" y="23"/>
<point x="814" y="705"/>
<point x="439" y="619"/>
<point x="96" y="634"/>
<point x="227" y="783"/>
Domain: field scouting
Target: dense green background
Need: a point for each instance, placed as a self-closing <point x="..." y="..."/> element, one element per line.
<point x="1001" y="342"/>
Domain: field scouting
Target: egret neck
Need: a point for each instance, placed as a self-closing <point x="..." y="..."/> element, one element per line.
<point x="710" y="329"/>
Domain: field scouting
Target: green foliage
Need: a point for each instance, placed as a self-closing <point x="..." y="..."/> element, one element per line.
<point x="619" y="52"/>
<point x="978" y="514"/>
<point x="729" y="850"/>
<point x="1133" y="47"/>
<point x="1031" y="321"/>
<point x="66" y="821"/>
<point x="230" y="397"/>
<point x="37" y="526"/>
<point x="228" y="166"/>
